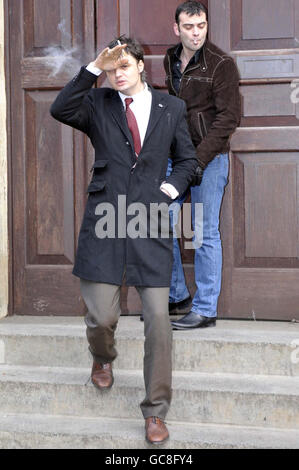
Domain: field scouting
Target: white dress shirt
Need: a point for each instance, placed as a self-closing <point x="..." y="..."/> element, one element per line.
<point x="141" y="107"/>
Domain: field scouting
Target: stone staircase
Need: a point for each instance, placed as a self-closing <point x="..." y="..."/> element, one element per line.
<point x="234" y="386"/>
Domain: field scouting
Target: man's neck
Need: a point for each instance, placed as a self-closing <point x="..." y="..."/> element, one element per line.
<point x="186" y="55"/>
<point x="135" y="91"/>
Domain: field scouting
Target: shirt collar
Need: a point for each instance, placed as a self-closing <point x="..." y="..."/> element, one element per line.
<point x="178" y="51"/>
<point x="137" y="97"/>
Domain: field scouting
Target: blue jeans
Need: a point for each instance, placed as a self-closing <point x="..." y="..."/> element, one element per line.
<point x="208" y="256"/>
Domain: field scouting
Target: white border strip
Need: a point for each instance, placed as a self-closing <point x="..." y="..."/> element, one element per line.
<point x="3" y="179"/>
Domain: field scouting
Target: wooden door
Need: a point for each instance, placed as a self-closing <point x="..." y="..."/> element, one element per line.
<point x="48" y="41"/>
<point x="50" y="162"/>
<point x="49" y="165"/>
<point x="260" y="211"/>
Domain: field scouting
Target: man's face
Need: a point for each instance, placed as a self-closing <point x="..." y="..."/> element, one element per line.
<point x="127" y="78"/>
<point x="192" y="30"/>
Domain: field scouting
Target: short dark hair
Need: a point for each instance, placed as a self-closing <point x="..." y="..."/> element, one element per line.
<point x="190" y="8"/>
<point x="133" y="47"/>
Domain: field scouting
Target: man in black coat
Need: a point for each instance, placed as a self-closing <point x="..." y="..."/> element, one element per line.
<point x="133" y="129"/>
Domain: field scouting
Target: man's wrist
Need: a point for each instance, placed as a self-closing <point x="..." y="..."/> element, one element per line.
<point x="170" y="190"/>
<point x="92" y="68"/>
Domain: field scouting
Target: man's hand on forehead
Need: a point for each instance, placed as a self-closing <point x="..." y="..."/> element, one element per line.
<point x="110" y="59"/>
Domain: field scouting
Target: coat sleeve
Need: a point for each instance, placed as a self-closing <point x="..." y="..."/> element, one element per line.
<point x="183" y="153"/>
<point x="74" y="104"/>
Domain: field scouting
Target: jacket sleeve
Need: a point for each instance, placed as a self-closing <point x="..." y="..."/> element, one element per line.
<point x="183" y="153"/>
<point x="227" y="102"/>
<point x="74" y="104"/>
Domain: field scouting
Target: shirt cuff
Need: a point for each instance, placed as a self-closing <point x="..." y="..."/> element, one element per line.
<point x="92" y="69"/>
<point x="170" y="189"/>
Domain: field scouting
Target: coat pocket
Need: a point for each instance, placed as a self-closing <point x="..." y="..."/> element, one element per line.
<point x="202" y="125"/>
<point x="96" y="186"/>
<point x="99" y="164"/>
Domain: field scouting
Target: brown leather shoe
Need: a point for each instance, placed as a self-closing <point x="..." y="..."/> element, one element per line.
<point x="155" y="430"/>
<point x="102" y="376"/>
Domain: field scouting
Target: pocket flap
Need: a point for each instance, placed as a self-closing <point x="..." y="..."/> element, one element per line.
<point x="96" y="186"/>
<point x="99" y="164"/>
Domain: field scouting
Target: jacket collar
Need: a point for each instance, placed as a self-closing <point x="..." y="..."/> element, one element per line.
<point x="198" y="60"/>
<point x="194" y="60"/>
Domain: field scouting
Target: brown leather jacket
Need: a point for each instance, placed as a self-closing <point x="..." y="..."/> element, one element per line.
<point x="210" y="89"/>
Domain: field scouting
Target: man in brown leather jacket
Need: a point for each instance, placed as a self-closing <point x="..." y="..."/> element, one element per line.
<point x="207" y="79"/>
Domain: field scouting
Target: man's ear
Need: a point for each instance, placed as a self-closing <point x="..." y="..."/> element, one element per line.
<point x="140" y="66"/>
<point x="176" y="29"/>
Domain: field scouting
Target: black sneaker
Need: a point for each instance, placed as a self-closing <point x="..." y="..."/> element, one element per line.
<point x="176" y="308"/>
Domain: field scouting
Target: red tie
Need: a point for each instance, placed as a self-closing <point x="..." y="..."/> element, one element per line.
<point x="132" y="124"/>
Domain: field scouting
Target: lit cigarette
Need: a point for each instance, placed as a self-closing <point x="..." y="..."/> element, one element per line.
<point x="119" y="44"/>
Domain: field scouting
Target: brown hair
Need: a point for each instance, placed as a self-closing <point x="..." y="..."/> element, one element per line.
<point x="133" y="48"/>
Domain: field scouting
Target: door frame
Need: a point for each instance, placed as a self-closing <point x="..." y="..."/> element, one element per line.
<point x="8" y="276"/>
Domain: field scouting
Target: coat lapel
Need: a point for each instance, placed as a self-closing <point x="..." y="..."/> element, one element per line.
<point x="116" y="108"/>
<point x="159" y="106"/>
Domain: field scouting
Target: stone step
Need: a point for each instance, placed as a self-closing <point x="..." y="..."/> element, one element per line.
<point x="239" y="399"/>
<point x="27" y="431"/>
<point x="266" y="348"/>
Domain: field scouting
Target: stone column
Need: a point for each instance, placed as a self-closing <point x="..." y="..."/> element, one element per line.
<point x="3" y="179"/>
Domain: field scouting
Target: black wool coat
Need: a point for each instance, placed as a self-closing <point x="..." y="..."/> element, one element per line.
<point x="119" y="181"/>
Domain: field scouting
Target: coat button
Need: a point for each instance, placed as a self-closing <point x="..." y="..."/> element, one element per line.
<point x="128" y="143"/>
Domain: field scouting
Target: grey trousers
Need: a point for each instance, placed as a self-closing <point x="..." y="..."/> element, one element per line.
<point x="103" y="304"/>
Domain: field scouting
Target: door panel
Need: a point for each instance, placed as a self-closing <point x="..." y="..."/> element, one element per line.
<point x="49" y="164"/>
<point x="259" y="222"/>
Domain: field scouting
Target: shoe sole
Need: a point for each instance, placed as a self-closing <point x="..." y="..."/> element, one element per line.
<point x="156" y="443"/>
<point x="174" y="327"/>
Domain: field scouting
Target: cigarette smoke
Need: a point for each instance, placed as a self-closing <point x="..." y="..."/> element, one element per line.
<point x="61" y="59"/>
